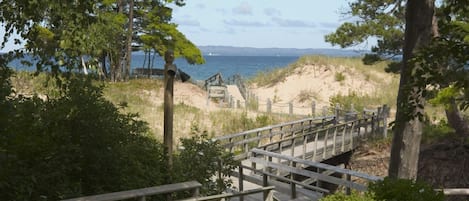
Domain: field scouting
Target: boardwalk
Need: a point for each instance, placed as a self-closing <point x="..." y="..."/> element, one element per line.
<point x="285" y="155"/>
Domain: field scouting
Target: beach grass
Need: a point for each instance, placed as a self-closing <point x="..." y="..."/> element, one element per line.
<point x="345" y="67"/>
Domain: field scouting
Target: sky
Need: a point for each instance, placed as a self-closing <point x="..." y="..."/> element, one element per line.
<point x="260" y="23"/>
<point x="257" y="23"/>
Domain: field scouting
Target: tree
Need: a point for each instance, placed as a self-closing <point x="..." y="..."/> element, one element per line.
<point x="410" y="100"/>
<point x="384" y="20"/>
<point x="60" y="34"/>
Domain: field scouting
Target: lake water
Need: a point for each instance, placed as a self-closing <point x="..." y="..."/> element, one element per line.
<point x="246" y="66"/>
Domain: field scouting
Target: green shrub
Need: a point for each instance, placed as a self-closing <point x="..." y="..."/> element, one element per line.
<point x="403" y="190"/>
<point x="392" y="190"/>
<point x="339" y="77"/>
<point x="346" y="101"/>
<point x="436" y="131"/>
<point x="343" y="197"/>
<point x="74" y="145"/>
<point x="204" y="160"/>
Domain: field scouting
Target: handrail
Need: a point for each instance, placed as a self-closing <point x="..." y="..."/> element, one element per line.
<point x="143" y="192"/>
<point x="267" y="190"/>
<point x="318" y="165"/>
<point x="224" y="137"/>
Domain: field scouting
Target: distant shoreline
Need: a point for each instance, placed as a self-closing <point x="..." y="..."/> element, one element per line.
<point x="213" y="50"/>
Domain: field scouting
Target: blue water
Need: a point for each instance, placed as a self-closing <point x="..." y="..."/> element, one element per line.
<point x="246" y="66"/>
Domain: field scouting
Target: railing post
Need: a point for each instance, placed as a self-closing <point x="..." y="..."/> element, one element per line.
<point x="196" y="192"/>
<point x="269" y="106"/>
<point x="385" y="120"/>
<point x="292" y="184"/>
<point x="334" y="140"/>
<point x="290" y="108"/>
<point x="240" y="182"/>
<point x="343" y="137"/>
<point x="325" y="144"/>
<point x="347" y="189"/>
<point x="313" y="109"/>
<point x="365" y="123"/>
<point x="315" y="146"/>
<point x="337" y="113"/>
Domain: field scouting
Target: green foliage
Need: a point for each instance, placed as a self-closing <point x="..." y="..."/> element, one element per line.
<point x="445" y="96"/>
<point x="205" y="161"/>
<point x="403" y="190"/>
<point x="339" y="76"/>
<point x="233" y="122"/>
<point x="433" y="132"/>
<point x="353" y="98"/>
<point x="343" y="197"/>
<point x="382" y="19"/>
<point x="59" y="34"/>
<point x="77" y="144"/>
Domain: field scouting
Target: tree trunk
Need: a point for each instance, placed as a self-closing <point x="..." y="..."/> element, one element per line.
<point x="129" y="40"/>
<point x="410" y="102"/>
<point x="456" y="120"/>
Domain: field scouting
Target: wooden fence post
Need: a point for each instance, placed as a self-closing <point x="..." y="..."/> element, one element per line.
<point x="290" y="108"/>
<point x="313" y="109"/>
<point x="292" y="184"/>
<point x="269" y="106"/>
<point x="337" y="113"/>
<point x="385" y="120"/>
<point x="240" y="182"/>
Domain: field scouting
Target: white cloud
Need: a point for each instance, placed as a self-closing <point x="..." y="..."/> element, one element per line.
<point x="243" y="9"/>
<point x="272" y="12"/>
<point x="292" y="23"/>
<point x="244" y="23"/>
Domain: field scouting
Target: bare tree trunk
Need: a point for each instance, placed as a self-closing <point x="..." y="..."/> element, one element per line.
<point x="129" y="40"/>
<point x="456" y="120"/>
<point x="410" y="102"/>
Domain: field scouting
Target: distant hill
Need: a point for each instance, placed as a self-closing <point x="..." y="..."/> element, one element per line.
<point x="249" y="51"/>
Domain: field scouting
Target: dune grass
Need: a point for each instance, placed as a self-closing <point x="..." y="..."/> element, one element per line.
<point x="272" y="77"/>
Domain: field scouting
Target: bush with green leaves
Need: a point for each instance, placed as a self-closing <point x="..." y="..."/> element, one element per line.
<point x="205" y="161"/>
<point x="77" y="144"/>
<point x="343" y="197"/>
<point x="404" y="190"/>
<point x="390" y="189"/>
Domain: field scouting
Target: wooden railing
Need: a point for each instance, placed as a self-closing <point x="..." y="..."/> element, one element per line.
<point x="266" y="191"/>
<point x="239" y="82"/>
<point x="242" y="143"/>
<point x="214" y="80"/>
<point x="262" y="163"/>
<point x="308" y="132"/>
<point x="194" y="186"/>
<point x="142" y="193"/>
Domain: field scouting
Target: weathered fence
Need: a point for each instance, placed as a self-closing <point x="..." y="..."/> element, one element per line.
<point x="307" y="132"/>
<point x="143" y="193"/>
<point x="193" y="186"/>
<point x="265" y="164"/>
